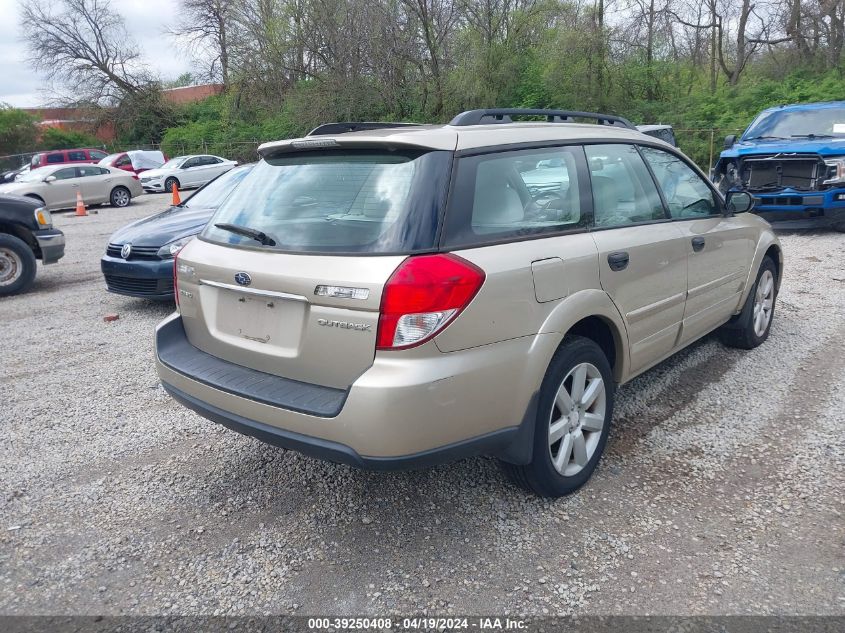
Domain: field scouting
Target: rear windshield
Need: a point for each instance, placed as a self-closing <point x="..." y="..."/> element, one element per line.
<point x="339" y="201"/>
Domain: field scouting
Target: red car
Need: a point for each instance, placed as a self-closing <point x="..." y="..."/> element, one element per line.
<point x="59" y="156"/>
<point x="135" y="161"/>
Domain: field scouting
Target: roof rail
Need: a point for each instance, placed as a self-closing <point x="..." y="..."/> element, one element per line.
<point x="502" y="115"/>
<point x="347" y="126"/>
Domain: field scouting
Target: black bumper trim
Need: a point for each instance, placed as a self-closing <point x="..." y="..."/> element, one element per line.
<point x="175" y="351"/>
<point x="496" y="443"/>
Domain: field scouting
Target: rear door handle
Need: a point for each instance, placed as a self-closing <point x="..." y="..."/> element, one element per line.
<point x="618" y="260"/>
<point x="697" y="244"/>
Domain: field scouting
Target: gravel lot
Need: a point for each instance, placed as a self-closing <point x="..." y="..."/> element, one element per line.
<point x="721" y="493"/>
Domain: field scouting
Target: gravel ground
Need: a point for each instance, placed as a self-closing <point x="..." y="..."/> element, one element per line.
<point x="721" y="492"/>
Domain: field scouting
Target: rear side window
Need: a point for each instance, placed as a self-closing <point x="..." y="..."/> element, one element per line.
<point x="515" y="194"/>
<point x="71" y="156"/>
<point x="340" y="201"/>
<point x="58" y="157"/>
<point x="623" y="190"/>
<point x="685" y="192"/>
<point x="93" y="170"/>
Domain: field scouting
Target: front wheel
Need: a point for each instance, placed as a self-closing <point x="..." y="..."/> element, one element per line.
<point x="752" y="326"/>
<point x="573" y="420"/>
<point x="17" y="265"/>
<point x="170" y="183"/>
<point x="120" y="197"/>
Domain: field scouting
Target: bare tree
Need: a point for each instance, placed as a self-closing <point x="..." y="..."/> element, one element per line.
<point x="204" y="30"/>
<point x="83" y="44"/>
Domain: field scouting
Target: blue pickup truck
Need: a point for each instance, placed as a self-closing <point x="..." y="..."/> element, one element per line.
<point x="792" y="159"/>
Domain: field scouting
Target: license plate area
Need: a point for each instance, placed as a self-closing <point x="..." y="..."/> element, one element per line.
<point x="263" y="322"/>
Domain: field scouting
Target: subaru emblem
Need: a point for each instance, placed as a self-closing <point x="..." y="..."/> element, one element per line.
<point x="126" y="251"/>
<point x="243" y="279"/>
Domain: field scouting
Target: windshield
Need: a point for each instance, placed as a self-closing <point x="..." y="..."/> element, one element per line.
<point x="210" y="196"/>
<point x="108" y="160"/>
<point x="173" y="163"/>
<point x="798" y="123"/>
<point x="341" y="201"/>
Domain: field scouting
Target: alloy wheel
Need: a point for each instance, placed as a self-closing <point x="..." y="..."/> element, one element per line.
<point x="120" y="198"/>
<point x="577" y="419"/>
<point x="763" y="302"/>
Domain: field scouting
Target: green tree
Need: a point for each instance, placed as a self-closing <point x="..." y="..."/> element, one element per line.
<point x="18" y="130"/>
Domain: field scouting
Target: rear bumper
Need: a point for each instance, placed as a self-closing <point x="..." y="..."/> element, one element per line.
<point x="143" y="279"/>
<point x="401" y="413"/>
<point x="51" y="243"/>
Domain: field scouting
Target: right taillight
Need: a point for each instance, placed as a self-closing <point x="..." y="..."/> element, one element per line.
<point x="423" y="296"/>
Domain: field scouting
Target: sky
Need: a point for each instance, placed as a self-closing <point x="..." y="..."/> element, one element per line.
<point x="146" y="22"/>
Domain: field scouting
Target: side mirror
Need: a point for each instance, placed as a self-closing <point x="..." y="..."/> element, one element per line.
<point x="49" y="179"/>
<point x="730" y="139"/>
<point x="739" y="202"/>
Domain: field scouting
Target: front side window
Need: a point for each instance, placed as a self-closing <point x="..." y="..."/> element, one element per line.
<point x="65" y="174"/>
<point x="191" y="162"/>
<point x="338" y="201"/>
<point x="514" y="194"/>
<point x="685" y="192"/>
<point x="623" y="190"/>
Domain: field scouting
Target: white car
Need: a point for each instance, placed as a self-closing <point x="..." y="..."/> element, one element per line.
<point x="185" y="172"/>
<point x="56" y="186"/>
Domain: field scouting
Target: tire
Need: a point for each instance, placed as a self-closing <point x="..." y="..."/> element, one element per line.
<point x="168" y="184"/>
<point x="120" y="197"/>
<point x="576" y="457"/>
<point x="748" y="330"/>
<point x="17" y="265"/>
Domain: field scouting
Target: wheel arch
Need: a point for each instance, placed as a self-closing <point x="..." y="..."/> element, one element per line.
<point x="23" y="234"/>
<point x="35" y="196"/>
<point x="593" y="315"/>
<point x="767" y="245"/>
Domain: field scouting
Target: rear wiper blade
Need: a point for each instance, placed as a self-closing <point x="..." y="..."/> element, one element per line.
<point x="812" y="136"/>
<point x="255" y="234"/>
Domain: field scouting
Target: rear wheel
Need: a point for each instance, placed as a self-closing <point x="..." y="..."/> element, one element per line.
<point x="169" y="183"/>
<point x="753" y="324"/>
<point x="573" y="420"/>
<point x="17" y="265"/>
<point x="120" y="197"/>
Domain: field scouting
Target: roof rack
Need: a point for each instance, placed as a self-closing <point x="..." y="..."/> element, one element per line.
<point x="503" y="115"/>
<point x="347" y="126"/>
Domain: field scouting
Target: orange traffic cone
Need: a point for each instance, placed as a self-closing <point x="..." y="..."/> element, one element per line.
<point x="80" y="206"/>
<point x="176" y="199"/>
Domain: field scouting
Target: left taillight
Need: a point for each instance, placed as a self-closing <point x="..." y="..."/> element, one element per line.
<point x="176" y="278"/>
<point x="423" y="295"/>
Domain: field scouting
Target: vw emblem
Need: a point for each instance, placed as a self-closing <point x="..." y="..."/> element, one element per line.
<point x="126" y="251"/>
<point x="243" y="279"/>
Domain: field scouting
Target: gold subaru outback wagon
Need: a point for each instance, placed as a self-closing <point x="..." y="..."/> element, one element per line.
<point x="395" y="296"/>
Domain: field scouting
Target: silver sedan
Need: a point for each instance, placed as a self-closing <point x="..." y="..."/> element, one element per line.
<point x="56" y="186"/>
